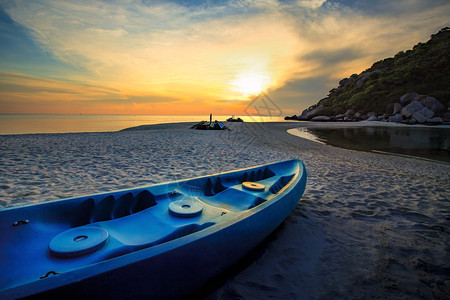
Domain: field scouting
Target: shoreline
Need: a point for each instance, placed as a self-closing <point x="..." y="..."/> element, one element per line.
<point x="295" y="124"/>
<point x="367" y="124"/>
<point x="368" y="225"/>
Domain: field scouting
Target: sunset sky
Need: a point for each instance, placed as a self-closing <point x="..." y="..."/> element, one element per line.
<point x="196" y="57"/>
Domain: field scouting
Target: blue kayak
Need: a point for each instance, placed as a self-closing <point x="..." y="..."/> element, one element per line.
<point x="162" y="241"/>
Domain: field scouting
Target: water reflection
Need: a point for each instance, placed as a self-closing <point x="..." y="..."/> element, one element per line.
<point x="431" y="143"/>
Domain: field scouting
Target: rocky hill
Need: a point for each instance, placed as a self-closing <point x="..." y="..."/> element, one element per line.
<point x="411" y="87"/>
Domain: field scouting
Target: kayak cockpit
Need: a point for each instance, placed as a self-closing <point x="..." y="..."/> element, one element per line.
<point x="238" y="193"/>
<point x="109" y="208"/>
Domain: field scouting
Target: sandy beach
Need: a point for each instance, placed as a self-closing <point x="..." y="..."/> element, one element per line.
<point x="369" y="225"/>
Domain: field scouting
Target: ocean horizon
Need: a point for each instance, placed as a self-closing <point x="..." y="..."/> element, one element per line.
<point x="76" y="123"/>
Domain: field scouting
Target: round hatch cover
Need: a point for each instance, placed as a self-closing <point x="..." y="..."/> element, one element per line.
<point x="78" y="241"/>
<point x="185" y="208"/>
<point x="253" y="186"/>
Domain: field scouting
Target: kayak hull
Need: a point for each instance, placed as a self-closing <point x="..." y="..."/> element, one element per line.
<point x="129" y="264"/>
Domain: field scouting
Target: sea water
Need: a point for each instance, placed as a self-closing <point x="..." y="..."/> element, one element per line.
<point x="42" y="123"/>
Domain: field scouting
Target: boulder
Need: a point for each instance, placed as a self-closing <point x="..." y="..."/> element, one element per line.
<point x="349" y="113"/>
<point x="357" y="115"/>
<point x="352" y="79"/>
<point x="420" y="97"/>
<point x="446" y="117"/>
<point x="321" y="119"/>
<point x="371" y="114"/>
<point x="339" y="117"/>
<point x="435" y="120"/>
<point x="396" y="118"/>
<point x="304" y="112"/>
<point x="411" y="108"/>
<point x="343" y="82"/>
<point x="389" y="108"/>
<point x="433" y="104"/>
<point x="311" y="113"/>
<point x="304" y="115"/>
<point x="397" y="108"/>
<point x="372" y="118"/>
<point x="361" y="79"/>
<point x="422" y="115"/>
<point x="408" y="98"/>
<point x="323" y="101"/>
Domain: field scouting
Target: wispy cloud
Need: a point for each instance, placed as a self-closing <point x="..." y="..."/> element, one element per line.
<point x="31" y="94"/>
<point x="311" y="3"/>
<point x="163" y="48"/>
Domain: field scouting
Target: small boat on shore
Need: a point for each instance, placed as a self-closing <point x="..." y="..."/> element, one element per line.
<point x="203" y="125"/>
<point x="234" y="119"/>
<point x="162" y="241"/>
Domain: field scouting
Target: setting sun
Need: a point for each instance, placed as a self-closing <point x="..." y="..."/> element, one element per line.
<point x="250" y="84"/>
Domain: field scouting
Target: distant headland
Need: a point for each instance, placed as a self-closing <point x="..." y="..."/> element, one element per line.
<point x="412" y="87"/>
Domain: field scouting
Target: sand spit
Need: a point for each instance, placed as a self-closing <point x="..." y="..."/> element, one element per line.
<point x="368" y="226"/>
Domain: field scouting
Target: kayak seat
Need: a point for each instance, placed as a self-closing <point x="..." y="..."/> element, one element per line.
<point x="280" y="183"/>
<point x="142" y="201"/>
<point x="141" y="240"/>
<point x="103" y="210"/>
<point x="215" y="186"/>
<point x="82" y="213"/>
<point x="234" y="199"/>
<point x="110" y="208"/>
<point x="122" y="205"/>
<point x="145" y="230"/>
<point x="128" y="204"/>
<point x="257" y="202"/>
<point x="260" y="174"/>
<point x="211" y="188"/>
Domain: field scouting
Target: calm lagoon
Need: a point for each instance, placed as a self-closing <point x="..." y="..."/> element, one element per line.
<point x="425" y="142"/>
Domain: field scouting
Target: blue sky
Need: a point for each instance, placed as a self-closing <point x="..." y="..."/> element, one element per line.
<point x="189" y="57"/>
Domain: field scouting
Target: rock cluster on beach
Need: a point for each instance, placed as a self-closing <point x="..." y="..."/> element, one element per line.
<point x="412" y="108"/>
